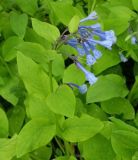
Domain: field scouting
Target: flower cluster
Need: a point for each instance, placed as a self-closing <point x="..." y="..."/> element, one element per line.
<point x="86" y="40"/>
<point x="88" y="37"/>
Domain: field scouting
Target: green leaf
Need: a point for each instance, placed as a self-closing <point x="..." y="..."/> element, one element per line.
<point x="96" y="112"/>
<point x="34" y="78"/>
<point x="69" y="73"/>
<point x="135" y="4"/>
<point x="36" y="133"/>
<point x="33" y="50"/>
<point x="29" y="6"/>
<point x="9" y="47"/>
<point x="7" y="148"/>
<point x="97" y="148"/>
<point x="9" y="90"/>
<point x="120" y="150"/>
<point x="108" y="59"/>
<point x="58" y="65"/>
<point x="128" y="139"/>
<point x="45" y="30"/>
<point x="19" y="23"/>
<point x="80" y="129"/>
<point x="74" y="24"/>
<point x="16" y="118"/>
<point x="43" y="153"/>
<point x="62" y="101"/>
<point x="133" y="94"/>
<point x="119" y="106"/>
<point x="36" y="107"/>
<point x="4" y="124"/>
<point x="107" y="87"/>
<point x="58" y="8"/>
<point x="118" y="19"/>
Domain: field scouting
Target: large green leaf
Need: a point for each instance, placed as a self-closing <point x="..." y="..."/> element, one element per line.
<point x="97" y="148"/>
<point x="45" y="30"/>
<point x="107" y="87"/>
<point x="128" y="139"/>
<point x="9" y="47"/>
<point x="133" y="94"/>
<point x="74" y="24"/>
<point x="19" y="23"/>
<point x="57" y="9"/>
<point x="135" y="4"/>
<point x="33" y="50"/>
<point x="109" y="58"/>
<point x="74" y="75"/>
<point x="9" y="90"/>
<point x="119" y="106"/>
<point x="62" y="101"/>
<point x="35" y="134"/>
<point x="34" y="78"/>
<point x="36" y="107"/>
<point x="118" y="18"/>
<point x="4" y="124"/>
<point x="16" y="118"/>
<point x="8" y="148"/>
<point x="29" y="6"/>
<point x="80" y="129"/>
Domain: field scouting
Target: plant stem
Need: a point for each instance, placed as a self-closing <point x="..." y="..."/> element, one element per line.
<point x="93" y="5"/>
<point x="51" y="89"/>
<point x="60" y="145"/>
<point x="6" y="66"/>
<point x="50" y="76"/>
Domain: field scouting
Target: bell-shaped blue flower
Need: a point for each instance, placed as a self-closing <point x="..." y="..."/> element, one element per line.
<point x="90" y="77"/>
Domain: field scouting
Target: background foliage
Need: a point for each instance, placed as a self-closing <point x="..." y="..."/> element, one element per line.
<point x="41" y="117"/>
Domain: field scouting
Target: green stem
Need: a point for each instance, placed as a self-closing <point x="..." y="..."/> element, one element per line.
<point x="51" y="89"/>
<point x="60" y="145"/>
<point x="93" y="5"/>
<point x="6" y="66"/>
<point x="50" y="76"/>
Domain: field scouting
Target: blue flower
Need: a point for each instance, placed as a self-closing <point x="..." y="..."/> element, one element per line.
<point x="88" y="37"/>
<point x="133" y="40"/>
<point x="123" y="58"/>
<point x="82" y="89"/>
<point x="92" y="16"/>
<point x="91" y="78"/>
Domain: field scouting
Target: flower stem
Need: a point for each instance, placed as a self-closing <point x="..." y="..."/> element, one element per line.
<point x="93" y="5"/>
<point x="50" y="76"/>
<point x="60" y="145"/>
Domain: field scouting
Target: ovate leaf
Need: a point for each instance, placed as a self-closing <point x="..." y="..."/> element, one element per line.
<point x="119" y="106"/>
<point x="80" y="129"/>
<point x="19" y="23"/>
<point x="135" y="4"/>
<point x="73" y="24"/>
<point x="34" y="78"/>
<point x="4" y="124"/>
<point x="35" y="134"/>
<point x="7" y="148"/>
<point x="97" y="148"/>
<point x="107" y="87"/>
<point x="29" y="6"/>
<point x="45" y="30"/>
<point x="62" y="101"/>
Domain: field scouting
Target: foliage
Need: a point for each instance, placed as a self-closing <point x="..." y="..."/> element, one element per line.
<point x="56" y="101"/>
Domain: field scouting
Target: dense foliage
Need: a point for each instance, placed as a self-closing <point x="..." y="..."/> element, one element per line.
<point x="68" y="79"/>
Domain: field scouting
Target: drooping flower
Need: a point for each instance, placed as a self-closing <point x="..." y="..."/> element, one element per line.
<point x="92" y="16"/>
<point x="82" y="89"/>
<point x="133" y="40"/>
<point x="87" y="38"/>
<point x="90" y="77"/>
<point x="123" y="58"/>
